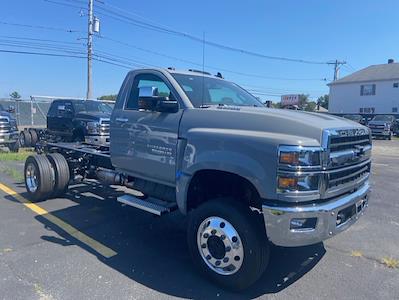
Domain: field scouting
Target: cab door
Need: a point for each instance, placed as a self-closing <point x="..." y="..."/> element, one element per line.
<point x="144" y="143"/>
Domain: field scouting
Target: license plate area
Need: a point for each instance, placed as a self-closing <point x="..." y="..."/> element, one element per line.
<point x="350" y="212"/>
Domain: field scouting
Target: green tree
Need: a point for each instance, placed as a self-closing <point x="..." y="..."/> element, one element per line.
<point x="15" y="95"/>
<point x="323" y="101"/>
<point x="108" y="97"/>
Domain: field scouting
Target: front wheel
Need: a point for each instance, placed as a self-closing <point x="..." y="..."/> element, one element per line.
<point x="14" y="147"/>
<point x="227" y="243"/>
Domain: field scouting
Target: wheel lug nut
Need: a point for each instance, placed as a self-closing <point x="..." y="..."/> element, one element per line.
<point x="213" y="232"/>
<point x="203" y="246"/>
<point x="234" y="239"/>
<point x="206" y="235"/>
<point x="222" y="237"/>
<point x="228" y="248"/>
<point x="217" y="263"/>
<point x="208" y="257"/>
<point x="225" y="260"/>
<point x="236" y="258"/>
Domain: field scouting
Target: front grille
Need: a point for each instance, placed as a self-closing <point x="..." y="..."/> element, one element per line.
<point x="104" y="127"/>
<point x="348" y="162"/>
<point x="348" y="175"/>
<point x="348" y="142"/>
<point x="5" y="125"/>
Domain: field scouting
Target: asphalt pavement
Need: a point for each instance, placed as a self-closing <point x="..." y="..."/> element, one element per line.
<point x="88" y="246"/>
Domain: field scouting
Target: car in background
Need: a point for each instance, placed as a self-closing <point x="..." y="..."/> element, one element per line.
<point x="356" y="118"/>
<point x="79" y="120"/>
<point x="383" y="126"/>
<point x="8" y="130"/>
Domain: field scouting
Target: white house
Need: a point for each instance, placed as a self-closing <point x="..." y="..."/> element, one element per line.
<point x="373" y="90"/>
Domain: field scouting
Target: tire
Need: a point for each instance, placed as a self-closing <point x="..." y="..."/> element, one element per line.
<point x="22" y="139"/>
<point x="27" y="138"/>
<point x="251" y="240"/>
<point x="61" y="173"/>
<point x="14" y="147"/>
<point x="34" y="137"/>
<point x="39" y="177"/>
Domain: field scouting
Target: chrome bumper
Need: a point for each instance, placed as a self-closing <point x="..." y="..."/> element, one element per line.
<point x="9" y="138"/>
<point x="102" y="140"/>
<point x="279" y="227"/>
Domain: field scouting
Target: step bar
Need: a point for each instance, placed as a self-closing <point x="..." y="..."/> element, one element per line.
<point x="154" y="206"/>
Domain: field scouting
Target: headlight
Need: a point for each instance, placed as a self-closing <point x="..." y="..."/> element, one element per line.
<point x="93" y="127"/>
<point x="298" y="157"/>
<point x="297" y="183"/>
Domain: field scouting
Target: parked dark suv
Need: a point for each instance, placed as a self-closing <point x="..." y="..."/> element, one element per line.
<point x="383" y="126"/>
<point x="79" y="120"/>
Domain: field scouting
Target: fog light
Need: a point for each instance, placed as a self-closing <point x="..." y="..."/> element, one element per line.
<point x="305" y="223"/>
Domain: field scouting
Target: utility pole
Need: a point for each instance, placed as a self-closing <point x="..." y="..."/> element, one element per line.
<point x="337" y="65"/>
<point x="89" y="50"/>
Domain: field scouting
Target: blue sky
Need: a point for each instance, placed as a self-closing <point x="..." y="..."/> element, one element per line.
<point x="360" y="32"/>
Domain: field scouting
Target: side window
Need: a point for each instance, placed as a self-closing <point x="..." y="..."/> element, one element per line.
<point x="146" y="80"/>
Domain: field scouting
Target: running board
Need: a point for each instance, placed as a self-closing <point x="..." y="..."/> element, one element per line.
<point x="159" y="208"/>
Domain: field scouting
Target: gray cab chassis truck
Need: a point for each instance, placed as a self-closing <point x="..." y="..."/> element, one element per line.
<point x="245" y="175"/>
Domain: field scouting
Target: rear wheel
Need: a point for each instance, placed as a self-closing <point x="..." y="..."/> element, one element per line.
<point x="27" y="138"/>
<point x="34" y="137"/>
<point x="39" y="177"/>
<point x="61" y="172"/>
<point x="227" y="243"/>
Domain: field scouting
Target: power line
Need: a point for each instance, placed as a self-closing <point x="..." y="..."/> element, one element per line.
<point x="161" y="28"/>
<point x="207" y="66"/>
<point x="39" y="40"/>
<point x="41" y="27"/>
<point x="40" y="53"/>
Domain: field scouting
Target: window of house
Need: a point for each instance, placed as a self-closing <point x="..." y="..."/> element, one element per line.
<point x="396" y="84"/>
<point x="394" y="109"/>
<point x="367" y="89"/>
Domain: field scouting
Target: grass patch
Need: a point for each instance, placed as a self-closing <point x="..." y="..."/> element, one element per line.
<point x="14" y="174"/>
<point x="15" y="156"/>
<point x="356" y="253"/>
<point x="390" y="262"/>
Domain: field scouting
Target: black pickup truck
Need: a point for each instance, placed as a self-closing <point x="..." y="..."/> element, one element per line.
<point x="72" y="120"/>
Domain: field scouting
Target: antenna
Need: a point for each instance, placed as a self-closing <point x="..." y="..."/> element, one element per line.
<point x="203" y="69"/>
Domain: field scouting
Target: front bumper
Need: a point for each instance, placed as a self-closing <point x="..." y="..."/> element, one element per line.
<point x="9" y="138"/>
<point x="380" y="132"/>
<point x="101" y="140"/>
<point x="278" y="219"/>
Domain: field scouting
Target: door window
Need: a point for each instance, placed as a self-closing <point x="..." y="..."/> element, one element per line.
<point x="146" y="80"/>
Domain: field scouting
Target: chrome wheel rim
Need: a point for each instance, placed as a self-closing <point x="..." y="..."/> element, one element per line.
<point x="31" y="178"/>
<point x="220" y="246"/>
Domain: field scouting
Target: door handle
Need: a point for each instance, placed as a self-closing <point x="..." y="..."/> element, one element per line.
<point x="124" y="120"/>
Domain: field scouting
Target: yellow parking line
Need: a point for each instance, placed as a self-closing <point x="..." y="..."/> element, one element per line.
<point x="72" y="231"/>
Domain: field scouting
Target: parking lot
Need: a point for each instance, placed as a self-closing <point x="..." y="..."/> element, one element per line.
<point x="86" y="246"/>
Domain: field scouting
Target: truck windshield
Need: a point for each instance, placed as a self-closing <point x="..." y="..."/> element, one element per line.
<point x="203" y="90"/>
<point x="383" y="118"/>
<point x="93" y="106"/>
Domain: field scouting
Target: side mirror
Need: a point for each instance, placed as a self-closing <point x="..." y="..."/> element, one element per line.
<point x="149" y="99"/>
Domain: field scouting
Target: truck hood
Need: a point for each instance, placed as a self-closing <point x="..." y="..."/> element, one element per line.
<point x="295" y="126"/>
<point x="91" y="115"/>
